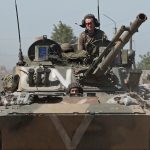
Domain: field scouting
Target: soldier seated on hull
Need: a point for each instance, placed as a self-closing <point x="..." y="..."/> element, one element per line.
<point x="89" y="41"/>
<point x="92" y="38"/>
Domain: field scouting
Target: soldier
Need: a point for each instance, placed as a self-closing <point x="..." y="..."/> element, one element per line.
<point x="92" y="38"/>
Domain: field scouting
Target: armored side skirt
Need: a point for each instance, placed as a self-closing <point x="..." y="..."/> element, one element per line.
<point x="75" y="132"/>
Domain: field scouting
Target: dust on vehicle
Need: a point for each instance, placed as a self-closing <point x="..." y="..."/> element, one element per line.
<point x="59" y="102"/>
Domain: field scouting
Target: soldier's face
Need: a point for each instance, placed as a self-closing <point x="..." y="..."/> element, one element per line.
<point x="89" y="23"/>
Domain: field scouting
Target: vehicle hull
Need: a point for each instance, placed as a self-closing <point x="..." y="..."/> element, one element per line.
<point x="74" y="131"/>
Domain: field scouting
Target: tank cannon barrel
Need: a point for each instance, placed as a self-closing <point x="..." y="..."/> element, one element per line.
<point x="95" y="63"/>
<point x="101" y="67"/>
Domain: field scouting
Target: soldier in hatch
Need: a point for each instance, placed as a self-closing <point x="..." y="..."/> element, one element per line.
<point x="92" y="38"/>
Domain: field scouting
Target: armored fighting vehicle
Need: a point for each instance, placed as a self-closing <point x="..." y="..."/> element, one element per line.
<point x="57" y="102"/>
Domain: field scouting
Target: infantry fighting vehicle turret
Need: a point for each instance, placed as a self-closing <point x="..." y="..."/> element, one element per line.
<point x="58" y="102"/>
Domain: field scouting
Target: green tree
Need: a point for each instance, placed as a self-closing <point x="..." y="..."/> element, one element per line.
<point x="63" y="34"/>
<point x="145" y="61"/>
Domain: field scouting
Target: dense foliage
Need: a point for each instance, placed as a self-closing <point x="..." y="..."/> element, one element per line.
<point x="63" y="34"/>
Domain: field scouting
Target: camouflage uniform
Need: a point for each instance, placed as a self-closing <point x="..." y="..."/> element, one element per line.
<point x="91" y="42"/>
<point x="69" y="53"/>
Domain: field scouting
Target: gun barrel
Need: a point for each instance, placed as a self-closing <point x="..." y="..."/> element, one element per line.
<point x="103" y="66"/>
<point x="111" y="44"/>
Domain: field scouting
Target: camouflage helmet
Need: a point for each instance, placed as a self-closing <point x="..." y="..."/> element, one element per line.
<point x="66" y="47"/>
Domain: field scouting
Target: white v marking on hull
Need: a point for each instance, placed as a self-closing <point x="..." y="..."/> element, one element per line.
<point x="71" y="144"/>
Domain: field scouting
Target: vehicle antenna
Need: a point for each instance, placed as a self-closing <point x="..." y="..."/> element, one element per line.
<point x="98" y="12"/>
<point x="21" y="59"/>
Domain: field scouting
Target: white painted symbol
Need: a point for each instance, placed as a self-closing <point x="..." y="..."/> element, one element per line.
<point x="64" y="82"/>
<point x="71" y="144"/>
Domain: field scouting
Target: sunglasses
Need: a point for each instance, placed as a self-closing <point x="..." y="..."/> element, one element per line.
<point x="88" y="23"/>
